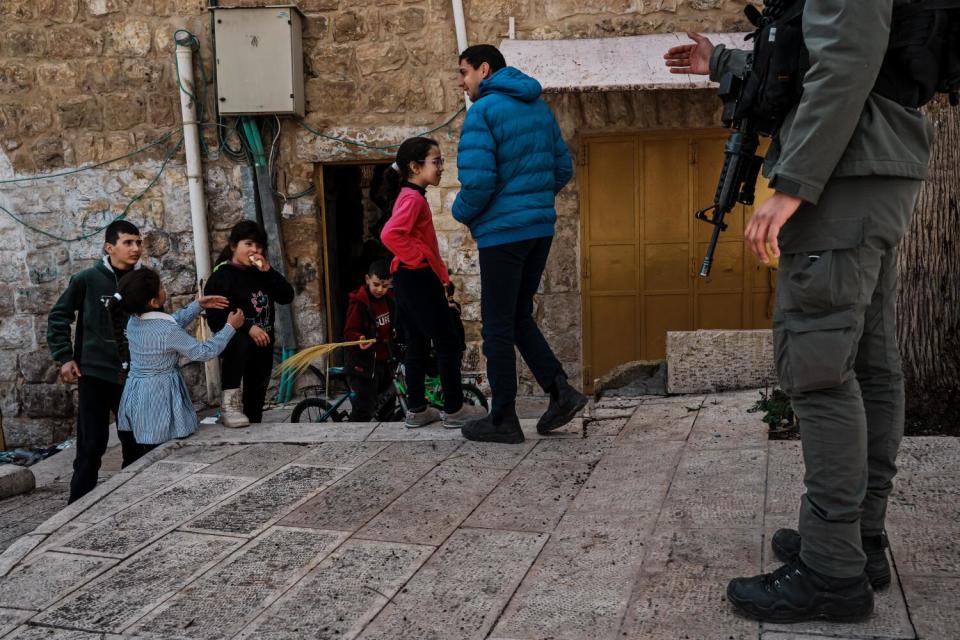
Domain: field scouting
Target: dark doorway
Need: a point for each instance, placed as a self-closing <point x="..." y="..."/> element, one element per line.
<point x="355" y="214"/>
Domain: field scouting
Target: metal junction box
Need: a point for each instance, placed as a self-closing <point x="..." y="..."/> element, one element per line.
<point x="259" y="56"/>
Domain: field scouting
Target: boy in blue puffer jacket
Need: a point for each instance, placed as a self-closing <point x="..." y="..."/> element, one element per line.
<point x="512" y="162"/>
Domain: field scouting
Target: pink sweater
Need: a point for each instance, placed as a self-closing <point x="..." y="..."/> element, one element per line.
<point x="411" y="237"/>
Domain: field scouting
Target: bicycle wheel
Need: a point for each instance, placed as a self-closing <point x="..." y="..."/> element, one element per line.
<point x="316" y="410"/>
<point x="473" y="395"/>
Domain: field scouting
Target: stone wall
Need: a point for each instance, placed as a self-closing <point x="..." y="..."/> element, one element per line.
<point x="82" y="81"/>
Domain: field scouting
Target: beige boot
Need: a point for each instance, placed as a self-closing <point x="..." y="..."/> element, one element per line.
<point x="231" y="409"/>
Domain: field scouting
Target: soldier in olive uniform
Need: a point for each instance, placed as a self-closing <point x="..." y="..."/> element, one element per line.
<point x="846" y="167"/>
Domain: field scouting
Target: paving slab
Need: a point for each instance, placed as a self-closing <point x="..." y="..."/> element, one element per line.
<point x="580" y="584"/>
<point x="152" y="518"/>
<point x="421" y="452"/>
<point x="461" y="591"/>
<point x="925" y="548"/>
<point x="925" y="497"/>
<point x="429" y="511"/>
<point x="342" y="594"/>
<point x="346" y="455"/>
<point x="396" y="432"/>
<point x="205" y="454"/>
<point x="606" y="412"/>
<point x="667" y="421"/>
<point x="257" y="460"/>
<point x="724" y="422"/>
<point x="151" y="480"/>
<point x="929" y="455"/>
<point x="933" y="606"/>
<point x="493" y="454"/>
<point x="358" y="496"/>
<point x="680" y="592"/>
<point x="533" y="497"/>
<point x="47" y="577"/>
<point x="630" y="478"/>
<point x="129" y="591"/>
<point x="718" y="488"/>
<point x="784" y="478"/>
<point x="220" y="603"/>
<point x="18" y="551"/>
<point x="266" y="501"/>
<point x="608" y="427"/>
<point x="581" y="450"/>
<point x="295" y="433"/>
<point x="10" y="618"/>
<point x="50" y="633"/>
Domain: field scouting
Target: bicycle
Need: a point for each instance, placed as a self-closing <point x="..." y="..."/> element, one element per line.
<point x="323" y="410"/>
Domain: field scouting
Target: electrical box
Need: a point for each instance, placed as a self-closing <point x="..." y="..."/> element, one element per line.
<point x="259" y="57"/>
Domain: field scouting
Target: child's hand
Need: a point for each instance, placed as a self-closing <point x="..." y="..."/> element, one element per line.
<point x="235" y="319"/>
<point x="213" y="302"/>
<point x="364" y="347"/>
<point x="260" y="337"/>
<point x="260" y="262"/>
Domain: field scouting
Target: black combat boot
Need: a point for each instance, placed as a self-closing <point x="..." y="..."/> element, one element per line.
<point x="505" y="429"/>
<point x="796" y="593"/>
<point x="786" y="546"/>
<point x="565" y="403"/>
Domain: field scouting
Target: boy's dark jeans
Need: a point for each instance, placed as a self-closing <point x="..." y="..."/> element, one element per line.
<point x="97" y="398"/>
<point x="510" y="276"/>
<point x="244" y="362"/>
<point x="368" y="391"/>
<point x="422" y="305"/>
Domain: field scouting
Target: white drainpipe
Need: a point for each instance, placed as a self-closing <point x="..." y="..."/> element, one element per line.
<point x="461" y="25"/>
<point x="198" y="201"/>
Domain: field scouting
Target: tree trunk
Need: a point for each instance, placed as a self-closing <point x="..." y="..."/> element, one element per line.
<point x="928" y="305"/>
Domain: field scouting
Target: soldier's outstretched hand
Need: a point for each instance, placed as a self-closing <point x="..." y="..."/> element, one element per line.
<point x="690" y="58"/>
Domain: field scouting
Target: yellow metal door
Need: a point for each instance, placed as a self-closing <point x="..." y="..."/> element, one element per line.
<point x="642" y="248"/>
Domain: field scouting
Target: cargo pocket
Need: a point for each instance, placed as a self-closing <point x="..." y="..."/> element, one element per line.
<point x="816" y="352"/>
<point x="821" y="268"/>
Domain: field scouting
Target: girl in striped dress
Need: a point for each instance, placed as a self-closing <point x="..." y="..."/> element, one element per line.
<point x="156" y="404"/>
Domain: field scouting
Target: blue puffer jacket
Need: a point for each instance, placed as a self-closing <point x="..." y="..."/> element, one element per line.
<point x="512" y="162"/>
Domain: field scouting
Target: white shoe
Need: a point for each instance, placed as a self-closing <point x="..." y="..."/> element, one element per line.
<point x="231" y="410"/>
<point x="468" y="413"/>
<point x="416" y="419"/>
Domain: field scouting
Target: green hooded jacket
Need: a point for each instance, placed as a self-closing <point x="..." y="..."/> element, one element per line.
<point x="841" y="128"/>
<point x="95" y="347"/>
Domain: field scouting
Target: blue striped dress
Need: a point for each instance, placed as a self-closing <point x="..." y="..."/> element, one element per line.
<point x="156" y="404"/>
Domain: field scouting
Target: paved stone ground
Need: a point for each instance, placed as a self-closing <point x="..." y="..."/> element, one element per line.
<point x="626" y="524"/>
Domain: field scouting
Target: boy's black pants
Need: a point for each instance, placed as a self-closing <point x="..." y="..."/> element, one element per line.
<point x="425" y="316"/>
<point x="244" y="362"/>
<point x="368" y="391"/>
<point x="509" y="277"/>
<point x="97" y="398"/>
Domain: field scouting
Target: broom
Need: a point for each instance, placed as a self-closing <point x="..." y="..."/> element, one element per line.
<point x="296" y="363"/>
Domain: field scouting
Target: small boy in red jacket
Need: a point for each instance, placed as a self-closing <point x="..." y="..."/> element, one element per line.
<point x="370" y="315"/>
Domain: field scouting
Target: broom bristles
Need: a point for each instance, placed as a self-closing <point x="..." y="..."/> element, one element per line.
<point x="296" y="363"/>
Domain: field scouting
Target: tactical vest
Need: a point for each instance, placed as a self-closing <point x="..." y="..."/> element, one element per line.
<point x="922" y="59"/>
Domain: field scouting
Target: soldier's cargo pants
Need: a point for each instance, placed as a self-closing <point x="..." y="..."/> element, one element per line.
<point x="836" y="351"/>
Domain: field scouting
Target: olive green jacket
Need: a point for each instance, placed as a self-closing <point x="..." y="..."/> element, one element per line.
<point x="840" y="128"/>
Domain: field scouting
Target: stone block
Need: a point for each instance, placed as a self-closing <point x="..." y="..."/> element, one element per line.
<point x="533" y="497"/>
<point x="103" y="7"/>
<point x="375" y="58"/>
<point x="146" y="483"/>
<point x="663" y="422"/>
<point x="42" y="580"/>
<point x="706" y="361"/>
<point x="10" y="618"/>
<point x="343" y="593"/>
<point x="127" y="592"/>
<point x="257" y="461"/>
<point x="630" y="478"/>
<point x="784" y="478"/>
<point x="268" y="500"/>
<point x="252" y="577"/>
<point x="74" y="41"/>
<point x="490" y="454"/>
<point x="404" y="21"/>
<point x="15" y="77"/>
<point x="28" y="432"/>
<point x="486" y="565"/>
<point x="15" y="480"/>
<point x="932" y="606"/>
<point x="58" y="75"/>
<point x="82" y="113"/>
<point x="640" y="377"/>
<point x="724" y="423"/>
<point x="47" y="401"/>
<point x="346" y="455"/>
<point x="38" y="366"/>
<point x="421" y="452"/>
<point x="16" y="333"/>
<point x="129" y="38"/>
<point x="349" y="26"/>
<point x="204" y="454"/>
<point x="37" y="300"/>
<point x="123" y="110"/>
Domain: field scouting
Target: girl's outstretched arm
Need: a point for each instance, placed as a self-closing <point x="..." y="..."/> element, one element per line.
<point x="188" y="346"/>
<point x="188" y="314"/>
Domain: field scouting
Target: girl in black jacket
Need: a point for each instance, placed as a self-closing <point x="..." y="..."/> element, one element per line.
<point x="247" y="280"/>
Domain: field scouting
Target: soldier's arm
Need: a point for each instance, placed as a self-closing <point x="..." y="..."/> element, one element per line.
<point x="725" y="60"/>
<point x="847" y="42"/>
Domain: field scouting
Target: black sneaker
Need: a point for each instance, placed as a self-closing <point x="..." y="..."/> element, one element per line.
<point x="786" y="546"/>
<point x="565" y="404"/>
<point x="508" y="430"/>
<point x="796" y="593"/>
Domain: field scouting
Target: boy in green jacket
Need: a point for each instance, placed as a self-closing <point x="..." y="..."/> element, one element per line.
<point x="93" y="359"/>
